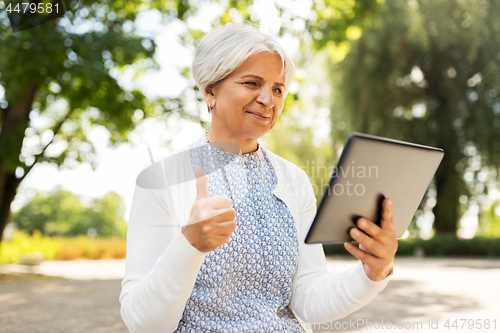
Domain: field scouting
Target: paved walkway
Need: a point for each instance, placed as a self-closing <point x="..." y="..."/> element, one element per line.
<point x="422" y="291"/>
<point x="106" y="269"/>
<point x="426" y="292"/>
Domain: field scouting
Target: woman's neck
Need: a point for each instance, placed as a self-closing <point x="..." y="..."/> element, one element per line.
<point x="246" y="145"/>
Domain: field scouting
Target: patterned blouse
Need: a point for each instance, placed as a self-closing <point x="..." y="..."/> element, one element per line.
<point x="245" y="284"/>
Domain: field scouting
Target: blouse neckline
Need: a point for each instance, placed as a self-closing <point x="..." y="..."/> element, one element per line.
<point x="250" y="157"/>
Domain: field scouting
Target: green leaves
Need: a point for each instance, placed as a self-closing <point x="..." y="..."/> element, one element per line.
<point x="73" y="59"/>
<point x="62" y="213"/>
<point x="337" y="22"/>
<point x="430" y="74"/>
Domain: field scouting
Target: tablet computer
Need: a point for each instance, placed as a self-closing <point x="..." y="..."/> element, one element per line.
<point x="371" y="168"/>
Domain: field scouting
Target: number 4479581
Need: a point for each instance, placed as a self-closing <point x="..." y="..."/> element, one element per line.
<point x="471" y="324"/>
<point x="32" y="7"/>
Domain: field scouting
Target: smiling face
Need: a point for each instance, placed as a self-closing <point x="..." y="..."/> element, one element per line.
<point x="248" y="102"/>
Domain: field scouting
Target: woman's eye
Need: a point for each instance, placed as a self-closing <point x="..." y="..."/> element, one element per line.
<point x="251" y="83"/>
<point x="278" y="90"/>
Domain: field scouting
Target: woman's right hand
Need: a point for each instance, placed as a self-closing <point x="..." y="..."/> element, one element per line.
<point x="211" y="220"/>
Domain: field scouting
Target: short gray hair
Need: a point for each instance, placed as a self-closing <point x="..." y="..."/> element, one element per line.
<point x="224" y="49"/>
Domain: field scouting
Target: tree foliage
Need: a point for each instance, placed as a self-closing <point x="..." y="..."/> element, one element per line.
<point x="490" y="221"/>
<point x="337" y="22"/>
<point x="62" y="213"/>
<point x="431" y="74"/>
<point x="61" y="78"/>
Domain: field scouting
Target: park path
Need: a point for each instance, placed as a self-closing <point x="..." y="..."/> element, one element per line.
<point x="422" y="291"/>
<point x="425" y="293"/>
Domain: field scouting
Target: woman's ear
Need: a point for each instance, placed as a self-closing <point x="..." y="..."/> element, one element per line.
<point x="209" y="90"/>
<point x="209" y="94"/>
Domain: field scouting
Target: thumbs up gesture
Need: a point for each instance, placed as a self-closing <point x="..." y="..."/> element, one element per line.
<point x="211" y="220"/>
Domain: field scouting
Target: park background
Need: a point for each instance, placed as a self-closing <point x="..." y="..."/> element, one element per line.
<point x="83" y="96"/>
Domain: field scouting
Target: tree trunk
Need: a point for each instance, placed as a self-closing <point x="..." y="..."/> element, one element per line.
<point x="8" y="194"/>
<point x="448" y="184"/>
<point x="14" y="123"/>
<point x="448" y="180"/>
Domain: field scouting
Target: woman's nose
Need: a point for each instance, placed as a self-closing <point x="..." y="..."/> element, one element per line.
<point x="265" y="97"/>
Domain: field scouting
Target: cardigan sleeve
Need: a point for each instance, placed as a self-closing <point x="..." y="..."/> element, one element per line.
<point x="161" y="266"/>
<point x="318" y="296"/>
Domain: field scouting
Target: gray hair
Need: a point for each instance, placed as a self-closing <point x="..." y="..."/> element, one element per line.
<point x="224" y="49"/>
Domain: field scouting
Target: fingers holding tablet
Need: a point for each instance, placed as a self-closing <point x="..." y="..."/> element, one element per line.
<point x="377" y="249"/>
<point x="387" y="222"/>
<point x="375" y="242"/>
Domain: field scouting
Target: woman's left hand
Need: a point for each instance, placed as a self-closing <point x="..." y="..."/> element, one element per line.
<point x="376" y="252"/>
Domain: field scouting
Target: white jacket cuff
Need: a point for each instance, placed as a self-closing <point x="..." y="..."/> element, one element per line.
<point x="367" y="287"/>
<point x="181" y="259"/>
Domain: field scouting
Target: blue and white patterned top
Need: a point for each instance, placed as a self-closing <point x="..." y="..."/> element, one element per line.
<point x="245" y="284"/>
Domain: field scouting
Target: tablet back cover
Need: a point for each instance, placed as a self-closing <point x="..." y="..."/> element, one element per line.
<point x="370" y="169"/>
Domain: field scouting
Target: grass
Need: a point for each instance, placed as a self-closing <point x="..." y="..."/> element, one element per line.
<point x="60" y="248"/>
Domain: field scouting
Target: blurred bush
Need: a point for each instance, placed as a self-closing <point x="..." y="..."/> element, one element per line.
<point x="489" y="221"/>
<point x="60" y="248"/>
<point x="62" y="213"/>
<point x="438" y="246"/>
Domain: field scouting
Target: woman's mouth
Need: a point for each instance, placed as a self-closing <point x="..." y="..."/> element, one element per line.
<point x="257" y="116"/>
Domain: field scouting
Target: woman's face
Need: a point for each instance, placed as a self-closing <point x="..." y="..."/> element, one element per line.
<point x="248" y="102"/>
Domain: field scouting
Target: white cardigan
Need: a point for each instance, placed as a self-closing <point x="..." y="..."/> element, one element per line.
<point x="162" y="266"/>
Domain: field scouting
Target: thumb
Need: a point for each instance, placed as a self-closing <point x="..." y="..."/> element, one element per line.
<point x="201" y="183"/>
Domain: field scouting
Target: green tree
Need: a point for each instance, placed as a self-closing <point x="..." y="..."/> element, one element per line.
<point x="336" y="22"/>
<point x="62" y="213"/>
<point x="106" y="216"/>
<point x="62" y="72"/>
<point x="430" y="73"/>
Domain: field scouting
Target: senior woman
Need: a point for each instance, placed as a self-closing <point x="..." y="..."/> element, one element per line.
<point x="237" y="261"/>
